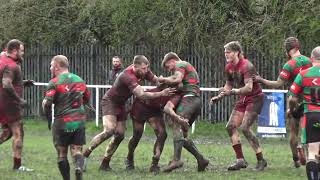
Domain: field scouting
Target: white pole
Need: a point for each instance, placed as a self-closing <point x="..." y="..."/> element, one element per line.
<point x="52" y="114"/>
<point x="97" y="106"/>
<point x="193" y="127"/>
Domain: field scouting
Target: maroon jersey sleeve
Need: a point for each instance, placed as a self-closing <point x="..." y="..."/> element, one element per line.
<point x="149" y="76"/>
<point x="130" y="81"/>
<point x="248" y="71"/>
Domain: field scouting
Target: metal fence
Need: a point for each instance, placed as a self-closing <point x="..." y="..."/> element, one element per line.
<point x="92" y="62"/>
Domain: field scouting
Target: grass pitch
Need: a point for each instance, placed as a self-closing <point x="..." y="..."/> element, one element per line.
<point x="211" y="139"/>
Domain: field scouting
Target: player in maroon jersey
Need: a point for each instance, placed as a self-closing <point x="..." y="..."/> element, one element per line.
<point x="113" y="105"/>
<point x="11" y="105"/>
<point x="289" y="71"/>
<point x="150" y="111"/>
<point x="307" y="83"/>
<point x="239" y="72"/>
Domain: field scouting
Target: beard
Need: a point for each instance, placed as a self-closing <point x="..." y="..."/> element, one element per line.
<point x="139" y="75"/>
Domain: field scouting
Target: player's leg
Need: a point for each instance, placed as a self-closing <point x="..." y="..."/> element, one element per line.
<point x="232" y="125"/>
<point x="109" y="127"/>
<point x="6" y="133"/>
<point x="191" y="110"/>
<point x="133" y="142"/>
<point x="63" y="163"/>
<point x="253" y="108"/>
<point x="77" y="141"/>
<point x="313" y="163"/>
<point x="113" y="145"/>
<point x="294" y="139"/>
<point x="17" y="145"/>
<point x="311" y="136"/>
<point x="158" y="125"/>
<point x="248" y="120"/>
<point x="78" y="159"/>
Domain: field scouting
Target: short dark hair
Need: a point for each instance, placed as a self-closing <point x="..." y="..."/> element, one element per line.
<point x="61" y="60"/>
<point x="169" y="56"/>
<point x="234" y="46"/>
<point x="140" y="59"/>
<point x="117" y="57"/>
<point x="291" y="43"/>
<point x="13" y="44"/>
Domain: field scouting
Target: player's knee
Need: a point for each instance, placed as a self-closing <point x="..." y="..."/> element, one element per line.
<point x="230" y="128"/>
<point x="118" y="137"/>
<point x="245" y="130"/>
<point x="162" y="136"/>
<point x="19" y="144"/>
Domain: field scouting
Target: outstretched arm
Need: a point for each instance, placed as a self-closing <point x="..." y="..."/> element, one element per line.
<point x="176" y="78"/>
<point x="140" y="93"/>
<point x="272" y="84"/>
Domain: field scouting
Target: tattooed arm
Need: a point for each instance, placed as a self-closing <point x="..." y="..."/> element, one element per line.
<point x="8" y="76"/>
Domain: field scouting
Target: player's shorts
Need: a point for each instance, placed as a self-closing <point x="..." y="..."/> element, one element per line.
<point x="250" y="103"/>
<point x="140" y="112"/>
<point x="111" y="108"/>
<point x="189" y="107"/>
<point x="310" y="127"/>
<point x="62" y="138"/>
<point x="10" y="112"/>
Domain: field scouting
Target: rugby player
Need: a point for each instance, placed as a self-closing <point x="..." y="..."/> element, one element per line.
<point x="307" y="83"/>
<point x="289" y="71"/>
<point x="68" y="92"/>
<point x="239" y="72"/>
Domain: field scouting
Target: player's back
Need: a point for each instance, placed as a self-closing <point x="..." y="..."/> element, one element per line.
<point x="70" y="90"/>
<point x="191" y="80"/>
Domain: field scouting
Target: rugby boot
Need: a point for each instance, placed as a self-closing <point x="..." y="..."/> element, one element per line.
<point x="296" y="164"/>
<point x="154" y="165"/>
<point x="24" y="169"/>
<point x="301" y="155"/>
<point x="238" y="164"/>
<point x="261" y="164"/>
<point x="174" y="164"/>
<point x="105" y="166"/>
<point x="129" y="164"/>
<point x="78" y="174"/>
<point x="190" y="147"/>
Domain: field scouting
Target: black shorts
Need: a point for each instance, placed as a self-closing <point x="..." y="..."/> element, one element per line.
<point x="62" y="138"/>
<point x="311" y="121"/>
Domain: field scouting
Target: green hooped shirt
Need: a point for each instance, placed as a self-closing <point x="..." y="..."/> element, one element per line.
<point x="68" y="92"/>
<point x="190" y="81"/>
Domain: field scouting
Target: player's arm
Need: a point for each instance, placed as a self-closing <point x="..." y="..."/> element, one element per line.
<point x="7" y="85"/>
<point x="176" y="78"/>
<point x="226" y="88"/>
<point x="295" y="89"/>
<point x="48" y="101"/>
<point x="245" y="90"/>
<point x="140" y="93"/>
<point x="272" y="84"/>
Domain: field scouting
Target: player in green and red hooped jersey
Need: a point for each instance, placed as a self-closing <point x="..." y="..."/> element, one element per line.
<point x="239" y="72"/>
<point x="69" y="94"/>
<point x="188" y="108"/>
<point x="307" y="83"/>
<point x="289" y="71"/>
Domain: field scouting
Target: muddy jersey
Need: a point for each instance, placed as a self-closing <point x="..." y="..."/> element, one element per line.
<point x="190" y="81"/>
<point x="237" y="74"/>
<point x="292" y="67"/>
<point x="10" y="109"/>
<point x="125" y="83"/>
<point x="68" y="92"/>
<point x="308" y="83"/>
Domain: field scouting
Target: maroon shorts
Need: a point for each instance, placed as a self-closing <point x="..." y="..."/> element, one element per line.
<point x="111" y="108"/>
<point x="10" y="112"/>
<point x="140" y="112"/>
<point x="250" y="103"/>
